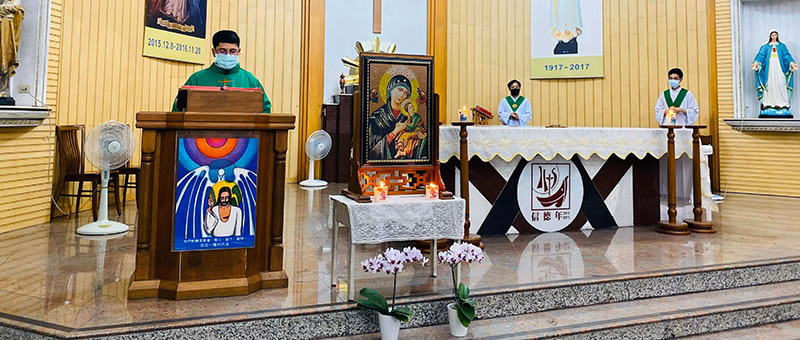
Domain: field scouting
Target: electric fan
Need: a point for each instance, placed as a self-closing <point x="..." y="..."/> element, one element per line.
<point x="108" y="146"/>
<point x="317" y="147"/>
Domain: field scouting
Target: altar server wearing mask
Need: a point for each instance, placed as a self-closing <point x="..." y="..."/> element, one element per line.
<point x="514" y="110"/>
<point x="676" y="106"/>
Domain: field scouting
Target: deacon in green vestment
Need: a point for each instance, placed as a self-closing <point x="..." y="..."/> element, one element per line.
<point x="225" y="71"/>
<point x="514" y="110"/>
<point x="676" y="106"/>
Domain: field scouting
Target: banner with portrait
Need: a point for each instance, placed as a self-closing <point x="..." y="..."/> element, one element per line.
<point x="566" y="39"/>
<point x="215" y="196"/>
<point x="176" y="30"/>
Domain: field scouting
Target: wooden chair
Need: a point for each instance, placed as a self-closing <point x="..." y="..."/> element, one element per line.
<point x="69" y="142"/>
<point x="129" y="171"/>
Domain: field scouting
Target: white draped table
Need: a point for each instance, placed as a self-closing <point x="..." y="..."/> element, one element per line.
<point x="622" y="199"/>
<point x="399" y="218"/>
<point x="488" y="142"/>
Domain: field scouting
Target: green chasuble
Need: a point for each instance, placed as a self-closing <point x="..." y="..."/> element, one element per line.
<point x="235" y="77"/>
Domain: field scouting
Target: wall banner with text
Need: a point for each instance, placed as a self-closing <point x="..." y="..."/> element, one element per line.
<point x="566" y="39"/>
<point x="176" y="30"/>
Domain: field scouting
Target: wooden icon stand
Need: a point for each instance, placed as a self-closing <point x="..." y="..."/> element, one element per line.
<point x="697" y="224"/>
<point x="401" y="178"/>
<point x="464" y="155"/>
<point x="672" y="226"/>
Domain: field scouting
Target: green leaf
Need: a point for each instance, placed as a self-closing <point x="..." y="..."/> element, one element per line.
<point x="402" y="313"/>
<point x="467" y="309"/>
<point x="374" y="301"/>
<point x="463" y="318"/>
<point x="463" y="291"/>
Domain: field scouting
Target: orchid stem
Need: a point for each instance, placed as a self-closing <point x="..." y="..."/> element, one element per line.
<point x="455" y="287"/>
<point x="394" y="290"/>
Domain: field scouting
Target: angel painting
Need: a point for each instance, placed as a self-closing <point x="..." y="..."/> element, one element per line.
<point x="215" y="193"/>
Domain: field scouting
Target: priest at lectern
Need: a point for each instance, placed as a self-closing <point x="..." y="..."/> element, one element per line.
<point x="225" y="71"/>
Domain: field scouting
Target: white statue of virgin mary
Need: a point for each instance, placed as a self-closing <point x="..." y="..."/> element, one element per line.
<point x="774" y="67"/>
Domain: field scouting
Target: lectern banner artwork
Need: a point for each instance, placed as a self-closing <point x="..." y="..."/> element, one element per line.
<point x="176" y="30"/>
<point x="566" y="39"/>
<point x="215" y="197"/>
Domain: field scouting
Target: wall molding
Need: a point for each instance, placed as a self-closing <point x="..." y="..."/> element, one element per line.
<point x="764" y="124"/>
<point x="22" y="116"/>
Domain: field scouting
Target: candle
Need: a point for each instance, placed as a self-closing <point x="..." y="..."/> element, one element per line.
<point x="432" y="191"/>
<point x="381" y="192"/>
<point x="462" y="114"/>
<point x="672" y="116"/>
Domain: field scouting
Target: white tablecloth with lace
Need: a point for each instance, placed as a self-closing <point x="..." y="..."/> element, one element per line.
<point x="399" y="218"/>
<point x="488" y="142"/>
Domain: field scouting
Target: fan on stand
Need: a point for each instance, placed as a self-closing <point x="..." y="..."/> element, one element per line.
<point x="317" y="147"/>
<point x="108" y="146"/>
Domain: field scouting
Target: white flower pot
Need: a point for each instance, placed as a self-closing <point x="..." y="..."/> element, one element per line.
<point x="390" y="327"/>
<point x="456" y="328"/>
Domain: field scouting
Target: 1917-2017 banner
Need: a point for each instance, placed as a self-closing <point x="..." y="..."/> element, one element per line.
<point x="176" y="30"/>
<point x="566" y="39"/>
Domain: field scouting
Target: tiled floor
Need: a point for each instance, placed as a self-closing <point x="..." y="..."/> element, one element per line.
<point x="50" y="275"/>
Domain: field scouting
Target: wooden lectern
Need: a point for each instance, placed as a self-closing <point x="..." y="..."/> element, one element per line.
<point x="219" y="118"/>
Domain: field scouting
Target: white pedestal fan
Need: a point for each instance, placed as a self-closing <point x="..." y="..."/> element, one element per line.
<point x="318" y="145"/>
<point x="108" y="146"/>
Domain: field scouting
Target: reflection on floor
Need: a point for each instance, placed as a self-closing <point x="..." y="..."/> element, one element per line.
<point x="52" y="276"/>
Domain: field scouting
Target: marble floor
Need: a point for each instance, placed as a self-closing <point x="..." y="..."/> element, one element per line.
<point x="51" y="278"/>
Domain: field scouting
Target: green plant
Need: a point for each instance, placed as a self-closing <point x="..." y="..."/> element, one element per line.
<point x="464" y="305"/>
<point x="457" y="254"/>
<point x="392" y="262"/>
<point x="375" y="301"/>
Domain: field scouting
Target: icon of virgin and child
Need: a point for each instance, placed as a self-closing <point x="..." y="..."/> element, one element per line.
<point x="396" y="131"/>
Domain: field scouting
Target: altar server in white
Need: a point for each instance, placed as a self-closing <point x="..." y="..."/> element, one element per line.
<point x="676" y="106"/>
<point x="514" y="110"/>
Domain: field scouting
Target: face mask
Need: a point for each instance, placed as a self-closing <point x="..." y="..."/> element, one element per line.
<point x="514" y="92"/>
<point x="674" y="83"/>
<point x="227" y="61"/>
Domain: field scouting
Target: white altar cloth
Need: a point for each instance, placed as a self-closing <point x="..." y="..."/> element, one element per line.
<point x="502" y="144"/>
<point x="488" y="142"/>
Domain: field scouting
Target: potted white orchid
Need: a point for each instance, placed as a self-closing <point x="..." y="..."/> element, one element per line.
<point x="392" y="262"/>
<point x="461" y="312"/>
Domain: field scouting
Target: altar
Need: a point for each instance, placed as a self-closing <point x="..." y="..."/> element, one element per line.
<point x="536" y="179"/>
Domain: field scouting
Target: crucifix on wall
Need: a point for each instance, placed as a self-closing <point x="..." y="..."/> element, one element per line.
<point x="376" y="16"/>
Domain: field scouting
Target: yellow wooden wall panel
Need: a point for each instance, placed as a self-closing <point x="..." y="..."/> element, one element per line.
<point x="130" y="82"/>
<point x="762" y="163"/>
<point x="489" y="44"/>
<point x="108" y="78"/>
<point x="26" y="153"/>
